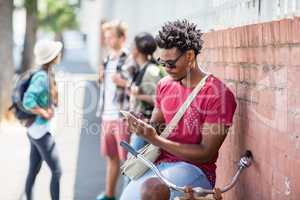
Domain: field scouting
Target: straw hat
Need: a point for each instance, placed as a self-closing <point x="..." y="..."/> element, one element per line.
<point x="46" y="50"/>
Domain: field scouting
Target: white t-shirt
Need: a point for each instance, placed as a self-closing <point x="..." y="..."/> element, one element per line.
<point x="111" y="109"/>
<point x="36" y="131"/>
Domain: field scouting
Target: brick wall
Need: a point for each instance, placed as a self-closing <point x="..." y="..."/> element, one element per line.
<point x="261" y="64"/>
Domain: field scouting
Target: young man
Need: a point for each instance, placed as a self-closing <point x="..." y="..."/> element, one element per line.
<point x="113" y="127"/>
<point x="189" y="154"/>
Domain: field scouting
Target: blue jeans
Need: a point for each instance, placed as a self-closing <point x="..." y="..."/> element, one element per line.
<point x="137" y="142"/>
<point x="179" y="173"/>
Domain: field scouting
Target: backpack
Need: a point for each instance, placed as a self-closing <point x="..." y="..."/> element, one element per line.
<point x="21" y="85"/>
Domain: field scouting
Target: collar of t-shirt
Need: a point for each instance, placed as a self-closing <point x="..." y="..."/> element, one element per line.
<point x="116" y="57"/>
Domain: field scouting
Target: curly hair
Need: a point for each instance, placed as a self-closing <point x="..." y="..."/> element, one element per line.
<point x="180" y="34"/>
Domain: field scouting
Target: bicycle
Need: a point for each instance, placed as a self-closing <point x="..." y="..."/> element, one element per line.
<point x="196" y="193"/>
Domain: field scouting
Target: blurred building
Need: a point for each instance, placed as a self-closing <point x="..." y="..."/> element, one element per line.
<point x="145" y="15"/>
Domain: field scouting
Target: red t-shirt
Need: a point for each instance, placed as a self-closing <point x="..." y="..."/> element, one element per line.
<point x="215" y="103"/>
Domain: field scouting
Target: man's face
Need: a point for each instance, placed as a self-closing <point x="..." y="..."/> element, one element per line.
<point x="112" y="40"/>
<point x="134" y="52"/>
<point x="180" y="68"/>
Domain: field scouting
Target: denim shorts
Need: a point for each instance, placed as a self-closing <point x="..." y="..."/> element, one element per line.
<point x="179" y="173"/>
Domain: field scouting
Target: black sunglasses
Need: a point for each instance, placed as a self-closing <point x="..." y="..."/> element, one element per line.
<point x="169" y="63"/>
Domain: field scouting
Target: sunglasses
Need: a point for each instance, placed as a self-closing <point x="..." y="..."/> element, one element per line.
<point x="169" y="63"/>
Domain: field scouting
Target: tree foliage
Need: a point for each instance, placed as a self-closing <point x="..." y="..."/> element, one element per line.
<point x="57" y="16"/>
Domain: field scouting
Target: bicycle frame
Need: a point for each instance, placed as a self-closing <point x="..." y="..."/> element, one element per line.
<point x="244" y="163"/>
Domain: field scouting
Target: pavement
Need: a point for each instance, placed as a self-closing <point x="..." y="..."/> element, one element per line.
<point x="77" y="133"/>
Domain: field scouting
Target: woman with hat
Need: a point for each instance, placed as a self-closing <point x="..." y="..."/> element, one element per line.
<point x="40" y="98"/>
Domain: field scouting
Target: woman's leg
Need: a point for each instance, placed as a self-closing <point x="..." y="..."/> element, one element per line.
<point x="180" y="173"/>
<point x="48" y="151"/>
<point x="35" y="163"/>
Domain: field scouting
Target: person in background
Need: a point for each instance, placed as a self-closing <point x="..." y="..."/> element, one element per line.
<point x="114" y="128"/>
<point x="103" y="51"/>
<point x="40" y="98"/>
<point x="142" y="89"/>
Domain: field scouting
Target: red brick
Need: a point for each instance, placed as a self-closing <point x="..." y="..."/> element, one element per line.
<point x="258" y="55"/>
<point x="251" y="55"/>
<point x="295" y="55"/>
<point x="282" y="56"/>
<point x="286" y="31"/>
<point x="296" y="30"/>
<point x="207" y="40"/>
<point x="269" y="55"/>
<point x="253" y="96"/>
<point x="266" y="189"/>
<point x="243" y="56"/>
<point x="219" y="39"/>
<point x="232" y="72"/>
<point x="275" y="26"/>
<point x="259" y="32"/>
<point x="266" y="169"/>
<point x="268" y="38"/>
<point x="244" y="37"/>
<point x="255" y="35"/>
<point x="265" y="114"/>
<point x="218" y="56"/>
<point x="227" y="55"/>
<point x="213" y="55"/>
<point x="227" y="38"/>
<point x="234" y="55"/>
<point x="214" y="39"/>
<point x="224" y="38"/>
<point x="238" y="36"/>
<point x="242" y="90"/>
<point x="247" y="75"/>
<point x="231" y="38"/>
<point x="293" y="80"/>
<point x="295" y="180"/>
<point x="251" y="34"/>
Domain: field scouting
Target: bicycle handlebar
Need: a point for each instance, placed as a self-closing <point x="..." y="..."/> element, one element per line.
<point x="244" y="162"/>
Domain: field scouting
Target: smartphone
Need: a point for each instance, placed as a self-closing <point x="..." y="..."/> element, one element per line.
<point x="127" y="114"/>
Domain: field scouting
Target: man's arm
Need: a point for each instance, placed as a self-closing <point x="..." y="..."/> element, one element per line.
<point x="101" y="73"/>
<point x="213" y="136"/>
<point x="157" y="120"/>
<point x="119" y="81"/>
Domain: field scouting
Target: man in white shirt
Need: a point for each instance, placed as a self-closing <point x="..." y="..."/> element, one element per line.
<point x="113" y="126"/>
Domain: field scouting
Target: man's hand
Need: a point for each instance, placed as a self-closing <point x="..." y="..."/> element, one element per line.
<point x="101" y="76"/>
<point x="134" y="90"/>
<point x="142" y="129"/>
<point x="118" y="80"/>
<point x="101" y="73"/>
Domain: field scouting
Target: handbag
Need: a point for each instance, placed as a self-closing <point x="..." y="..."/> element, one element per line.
<point x="133" y="167"/>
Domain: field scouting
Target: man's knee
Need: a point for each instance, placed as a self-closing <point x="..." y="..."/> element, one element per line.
<point x="154" y="189"/>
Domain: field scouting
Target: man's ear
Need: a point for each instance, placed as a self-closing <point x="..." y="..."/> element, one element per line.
<point x="190" y="55"/>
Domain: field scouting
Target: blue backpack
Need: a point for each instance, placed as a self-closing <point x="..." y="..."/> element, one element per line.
<point x="21" y="85"/>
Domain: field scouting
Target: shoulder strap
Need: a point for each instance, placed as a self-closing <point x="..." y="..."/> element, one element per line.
<point x="105" y="61"/>
<point x="173" y="123"/>
<point x="121" y="61"/>
<point x="137" y="79"/>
